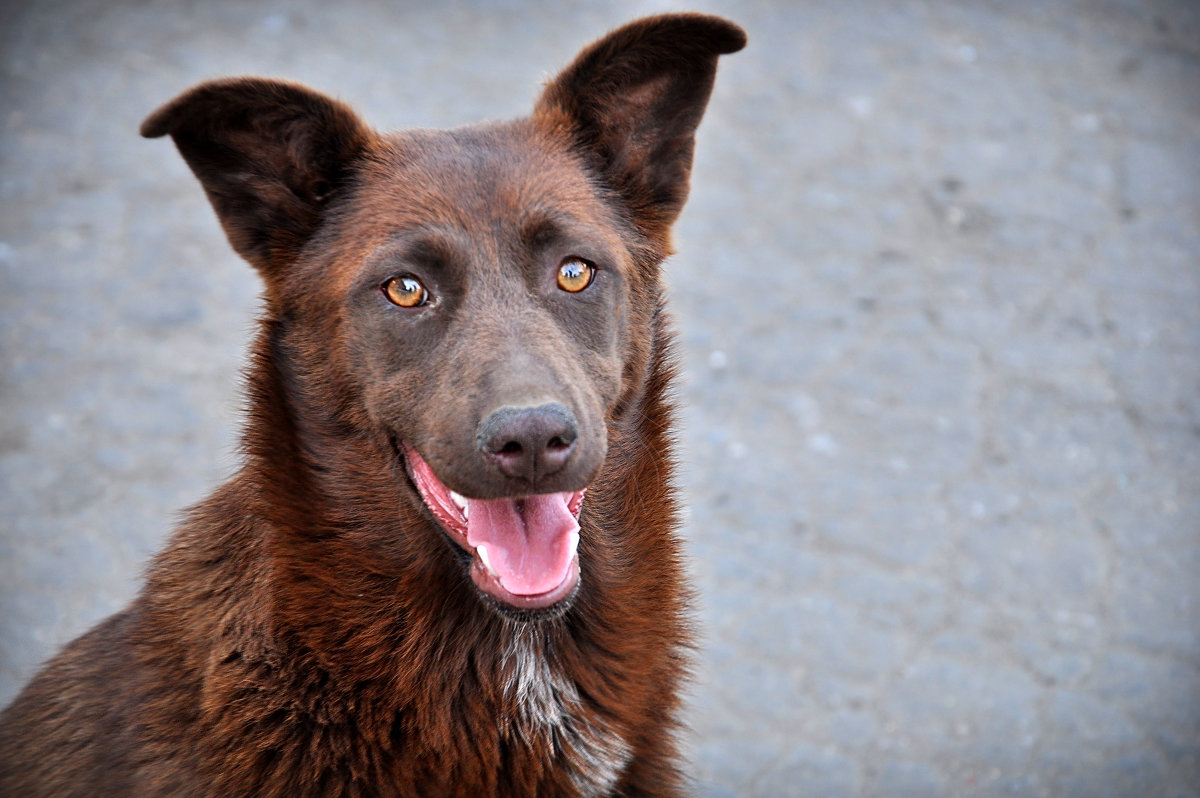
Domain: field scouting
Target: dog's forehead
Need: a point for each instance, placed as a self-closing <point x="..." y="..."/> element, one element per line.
<point x="469" y="177"/>
<point x="480" y="194"/>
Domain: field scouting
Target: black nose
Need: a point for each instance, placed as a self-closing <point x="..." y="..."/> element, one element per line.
<point x="529" y="442"/>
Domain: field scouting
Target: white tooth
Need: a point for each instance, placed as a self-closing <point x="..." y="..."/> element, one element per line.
<point x="573" y="543"/>
<point x="483" y="557"/>
<point x="461" y="501"/>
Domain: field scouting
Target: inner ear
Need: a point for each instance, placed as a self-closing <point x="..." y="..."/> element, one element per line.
<point x="270" y="156"/>
<point x="631" y="103"/>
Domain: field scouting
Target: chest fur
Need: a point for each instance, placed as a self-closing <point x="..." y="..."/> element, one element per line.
<point x="549" y="715"/>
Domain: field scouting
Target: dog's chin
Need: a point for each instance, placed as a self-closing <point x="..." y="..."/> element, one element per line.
<point x="521" y="552"/>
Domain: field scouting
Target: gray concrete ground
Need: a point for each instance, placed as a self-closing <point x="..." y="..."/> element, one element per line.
<point x="939" y="296"/>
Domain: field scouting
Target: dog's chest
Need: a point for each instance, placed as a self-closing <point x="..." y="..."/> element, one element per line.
<point x="550" y="716"/>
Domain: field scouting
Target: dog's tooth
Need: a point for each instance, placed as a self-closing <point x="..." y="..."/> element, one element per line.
<point x="573" y="543"/>
<point x="461" y="501"/>
<point x="483" y="557"/>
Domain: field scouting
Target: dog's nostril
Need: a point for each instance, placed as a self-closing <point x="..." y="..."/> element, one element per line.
<point x="529" y="443"/>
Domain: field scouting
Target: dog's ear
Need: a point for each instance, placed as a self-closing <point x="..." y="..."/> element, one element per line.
<point x="269" y="155"/>
<point x="632" y="101"/>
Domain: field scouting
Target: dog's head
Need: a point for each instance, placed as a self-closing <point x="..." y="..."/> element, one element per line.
<point x="481" y="298"/>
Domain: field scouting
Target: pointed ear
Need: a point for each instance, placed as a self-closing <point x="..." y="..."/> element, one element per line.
<point x="632" y="101"/>
<point x="270" y="155"/>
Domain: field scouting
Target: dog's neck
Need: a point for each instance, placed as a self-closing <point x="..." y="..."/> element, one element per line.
<point x="300" y="455"/>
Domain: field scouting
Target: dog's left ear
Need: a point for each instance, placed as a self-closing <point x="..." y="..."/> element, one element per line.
<point x="269" y="154"/>
<point x="632" y="102"/>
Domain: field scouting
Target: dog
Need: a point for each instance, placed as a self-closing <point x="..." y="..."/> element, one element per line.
<point x="448" y="564"/>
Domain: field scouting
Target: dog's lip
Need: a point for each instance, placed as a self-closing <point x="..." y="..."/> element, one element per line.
<point x="451" y="518"/>
<point x="451" y="510"/>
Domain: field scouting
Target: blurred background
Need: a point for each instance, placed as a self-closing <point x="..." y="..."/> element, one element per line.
<point x="938" y="291"/>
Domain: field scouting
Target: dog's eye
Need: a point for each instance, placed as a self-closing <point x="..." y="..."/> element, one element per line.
<point x="575" y="274"/>
<point x="405" y="291"/>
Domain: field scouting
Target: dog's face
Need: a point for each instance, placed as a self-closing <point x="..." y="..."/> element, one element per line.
<point x="484" y="296"/>
<point x="479" y="298"/>
<point x="491" y="275"/>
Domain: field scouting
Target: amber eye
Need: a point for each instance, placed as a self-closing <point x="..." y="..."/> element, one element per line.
<point x="405" y="291"/>
<point x="575" y="274"/>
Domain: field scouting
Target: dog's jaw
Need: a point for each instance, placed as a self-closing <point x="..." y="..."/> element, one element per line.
<point x="524" y="549"/>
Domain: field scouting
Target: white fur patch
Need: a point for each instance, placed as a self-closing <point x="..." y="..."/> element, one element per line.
<point x="549" y="712"/>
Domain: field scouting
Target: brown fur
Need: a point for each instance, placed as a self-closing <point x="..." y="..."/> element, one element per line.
<point x="309" y="630"/>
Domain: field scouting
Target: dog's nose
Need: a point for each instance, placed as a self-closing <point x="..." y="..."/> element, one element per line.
<point x="529" y="442"/>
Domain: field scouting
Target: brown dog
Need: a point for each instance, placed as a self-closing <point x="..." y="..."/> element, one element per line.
<point x="448" y="565"/>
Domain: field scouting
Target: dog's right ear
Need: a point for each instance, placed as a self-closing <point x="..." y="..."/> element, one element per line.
<point x="269" y="154"/>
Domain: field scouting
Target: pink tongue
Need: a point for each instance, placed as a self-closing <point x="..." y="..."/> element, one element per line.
<point x="528" y="540"/>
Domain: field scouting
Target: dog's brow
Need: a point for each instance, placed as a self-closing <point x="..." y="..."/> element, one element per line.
<point x="539" y="227"/>
<point x="430" y="244"/>
<point x="432" y="249"/>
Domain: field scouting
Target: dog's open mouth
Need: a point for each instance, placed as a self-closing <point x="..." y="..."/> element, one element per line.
<point x="524" y="549"/>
